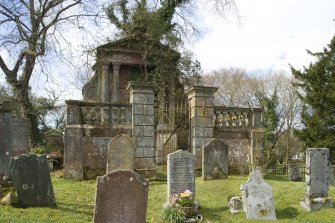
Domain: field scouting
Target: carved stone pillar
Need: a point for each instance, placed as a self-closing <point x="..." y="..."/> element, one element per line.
<point x="116" y="83"/>
<point x="104" y="83"/>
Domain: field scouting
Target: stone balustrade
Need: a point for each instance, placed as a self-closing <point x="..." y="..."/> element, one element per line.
<point x="98" y="113"/>
<point x="234" y="117"/>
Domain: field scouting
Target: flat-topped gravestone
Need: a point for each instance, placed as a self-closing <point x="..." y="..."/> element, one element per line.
<point x="214" y="160"/>
<point x="121" y="197"/>
<point x="257" y="197"/>
<point x="331" y="176"/>
<point x="180" y="172"/>
<point x="317" y="180"/>
<point x="32" y="181"/>
<point x="121" y="154"/>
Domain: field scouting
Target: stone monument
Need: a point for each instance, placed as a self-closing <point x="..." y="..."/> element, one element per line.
<point x="32" y="181"/>
<point x="121" y="197"/>
<point x="317" y="180"/>
<point x="214" y="160"/>
<point x="180" y="173"/>
<point x="121" y="154"/>
<point x="257" y="197"/>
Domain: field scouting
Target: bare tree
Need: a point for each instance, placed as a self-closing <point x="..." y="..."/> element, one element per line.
<point x="29" y="29"/>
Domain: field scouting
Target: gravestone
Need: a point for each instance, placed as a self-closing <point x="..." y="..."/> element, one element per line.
<point x="180" y="172"/>
<point x="32" y="181"/>
<point x="257" y="197"/>
<point x="317" y="179"/>
<point x="20" y="135"/>
<point x="121" y="197"/>
<point x="331" y="175"/>
<point x="214" y="160"/>
<point x="5" y="143"/>
<point x="294" y="173"/>
<point x="121" y="154"/>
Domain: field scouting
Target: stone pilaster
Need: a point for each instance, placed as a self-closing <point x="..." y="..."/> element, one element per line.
<point x="116" y="83"/>
<point x="73" y="165"/>
<point x="104" y="83"/>
<point x="143" y="133"/>
<point x="202" y="109"/>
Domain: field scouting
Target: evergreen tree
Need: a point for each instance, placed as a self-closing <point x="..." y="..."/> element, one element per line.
<point x="316" y="88"/>
<point x="270" y="123"/>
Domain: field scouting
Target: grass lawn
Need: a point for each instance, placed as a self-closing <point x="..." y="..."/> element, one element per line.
<point x="75" y="202"/>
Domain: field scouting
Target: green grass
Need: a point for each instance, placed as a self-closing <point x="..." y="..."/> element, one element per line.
<point x="75" y="202"/>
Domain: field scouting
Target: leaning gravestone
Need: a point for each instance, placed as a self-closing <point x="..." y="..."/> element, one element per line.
<point x="317" y="177"/>
<point x="121" y="197"/>
<point x="214" y="160"/>
<point x="32" y="181"/>
<point x="180" y="173"/>
<point x="121" y="154"/>
<point x="257" y="197"/>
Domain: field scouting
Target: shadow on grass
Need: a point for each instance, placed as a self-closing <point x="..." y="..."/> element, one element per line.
<point x="287" y="213"/>
<point x="74" y="208"/>
<point x="214" y="214"/>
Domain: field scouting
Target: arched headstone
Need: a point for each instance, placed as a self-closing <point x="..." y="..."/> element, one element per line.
<point x="121" y="154"/>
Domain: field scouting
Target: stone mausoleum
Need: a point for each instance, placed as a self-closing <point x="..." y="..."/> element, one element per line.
<point x="117" y="101"/>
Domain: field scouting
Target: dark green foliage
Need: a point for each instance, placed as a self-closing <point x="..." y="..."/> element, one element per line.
<point x="316" y="89"/>
<point x="270" y="123"/>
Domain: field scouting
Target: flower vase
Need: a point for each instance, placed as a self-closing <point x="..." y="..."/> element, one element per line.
<point x="187" y="211"/>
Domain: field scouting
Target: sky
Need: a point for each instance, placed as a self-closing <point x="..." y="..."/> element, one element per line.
<point x="270" y="35"/>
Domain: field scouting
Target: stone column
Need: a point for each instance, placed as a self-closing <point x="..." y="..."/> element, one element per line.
<point x="116" y="83"/>
<point x="104" y="83"/>
<point x="143" y="133"/>
<point x="202" y="112"/>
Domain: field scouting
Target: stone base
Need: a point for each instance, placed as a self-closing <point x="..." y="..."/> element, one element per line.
<point x="315" y="204"/>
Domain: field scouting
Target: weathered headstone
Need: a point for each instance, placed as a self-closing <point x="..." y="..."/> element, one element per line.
<point x="317" y="177"/>
<point x="5" y="143"/>
<point x="180" y="172"/>
<point x="121" y="154"/>
<point x="294" y="173"/>
<point x="121" y="197"/>
<point x="20" y="135"/>
<point x="32" y="181"/>
<point x="257" y="196"/>
<point x="331" y="175"/>
<point x="214" y="160"/>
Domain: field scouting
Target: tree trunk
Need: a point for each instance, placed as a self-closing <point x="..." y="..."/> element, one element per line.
<point x="25" y="108"/>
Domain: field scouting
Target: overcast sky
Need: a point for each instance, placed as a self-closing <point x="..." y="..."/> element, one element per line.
<point x="271" y="34"/>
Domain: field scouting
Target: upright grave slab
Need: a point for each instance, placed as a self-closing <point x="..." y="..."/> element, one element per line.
<point x="121" y="154"/>
<point x="180" y="172"/>
<point x="257" y="197"/>
<point x="214" y="160"/>
<point x="317" y="180"/>
<point x="5" y="142"/>
<point x="32" y="181"/>
<point x="121" y="197"/>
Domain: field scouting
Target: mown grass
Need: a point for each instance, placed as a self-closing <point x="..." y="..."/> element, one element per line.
<point x="75" y="202"/>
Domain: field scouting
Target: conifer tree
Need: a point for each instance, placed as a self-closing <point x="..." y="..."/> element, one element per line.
<point x="316" y="88"/>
